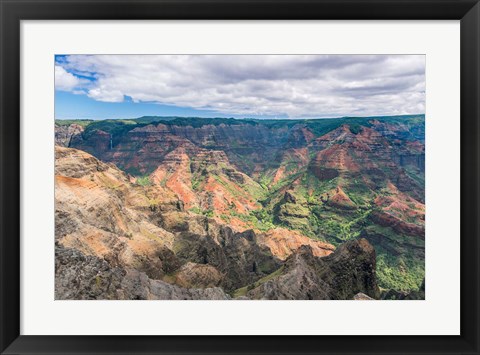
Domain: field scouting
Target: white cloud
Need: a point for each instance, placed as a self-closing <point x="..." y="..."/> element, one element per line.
<point x="64" y="80"/>
<point x="308" y="85"/>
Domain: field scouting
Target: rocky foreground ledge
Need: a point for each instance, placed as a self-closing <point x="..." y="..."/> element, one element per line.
<point x="342" y="275"/>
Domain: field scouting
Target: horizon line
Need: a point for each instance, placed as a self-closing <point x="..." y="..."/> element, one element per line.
<point x="237" y="118"/>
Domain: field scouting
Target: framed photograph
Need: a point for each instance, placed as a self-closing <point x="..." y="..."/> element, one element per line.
<point x="239" y="177"/>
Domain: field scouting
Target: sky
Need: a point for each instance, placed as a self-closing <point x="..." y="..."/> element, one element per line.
<point x="240" y="86"/>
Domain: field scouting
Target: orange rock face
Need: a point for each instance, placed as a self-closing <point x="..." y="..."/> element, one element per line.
<point x="283" y="242"/>
<point x="175" y="175"/>
<point x="100" y="213"/>
<point x="206" y="180"/>
<point x="340" y="199"/>
<point x="400" y="212"/>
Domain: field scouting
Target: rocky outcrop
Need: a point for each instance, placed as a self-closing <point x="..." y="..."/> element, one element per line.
<point x="321" y="172"/>
<point x="238" y="256"/>
<point x="300" y="279"/>
<point x="340" y="275"/>
<point x="339" y="199"/>
<point x="98" y="212"/>
<point x="64" y="133"/>
<point x="352" y="269"/>
<point x="283" y="242"/>
<point x="82" y="277"/>
<point x="73" y="163"/>
<point x="197" y="275"/>
<point x="362" y="297"/>
<point x="388" y="220"/>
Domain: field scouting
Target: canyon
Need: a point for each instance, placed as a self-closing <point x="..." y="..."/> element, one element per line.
<point x="216" y="208"/>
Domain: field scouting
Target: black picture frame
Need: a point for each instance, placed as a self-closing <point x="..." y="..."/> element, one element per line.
<point x="13" y="11"/>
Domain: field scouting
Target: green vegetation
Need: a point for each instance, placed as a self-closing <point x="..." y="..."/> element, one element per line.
<point x="260" y="219"/>
<point x="83" y="123"/>
<point x="144" y="180"/>
<point x="355" y="128"/>
<point x="195" y="184"/>
<point x="117" y="128"/>
<point x="401" y="273"/>
<point x="264" y="181"/>
<point x="208" y="213"/>
<point x="317" y="219"/>
<point x="339" y="227"/>
<point x="196" y="210"/>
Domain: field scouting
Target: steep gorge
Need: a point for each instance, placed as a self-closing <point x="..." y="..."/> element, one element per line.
<point x="222" y="209"/>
